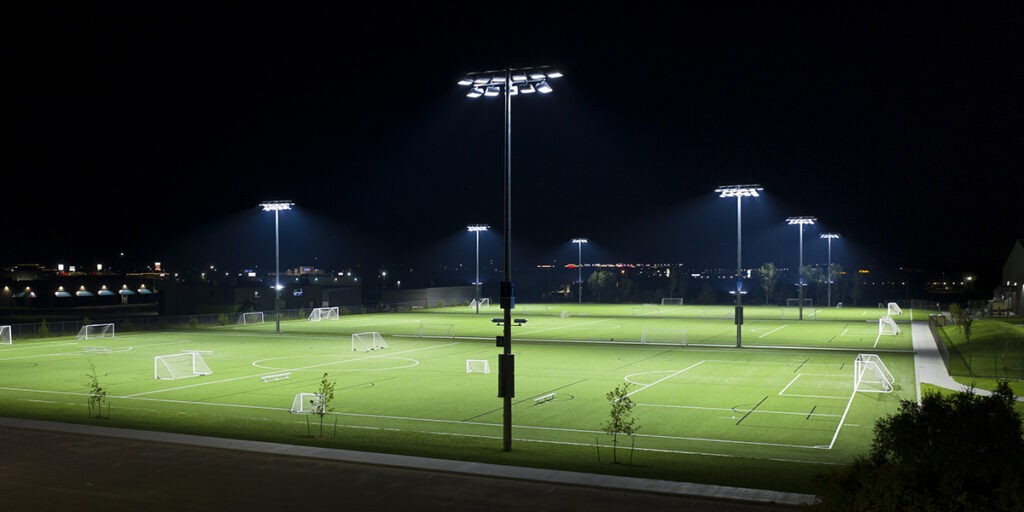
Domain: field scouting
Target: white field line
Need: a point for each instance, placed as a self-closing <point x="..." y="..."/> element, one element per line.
<point x="662" y="379"/>
<point x="790" y="384"/>
<point x="841" y="420"/>
<point x="815" y="396"/>
<point x="534" y="331"/>
<point x="81" y="352"/>
<point x="876" y="339"/>
<point x="207" y="383"/>
<point x="844" y="332"/>
<point x="730" y="409"/>
<point x="777" y="329"/>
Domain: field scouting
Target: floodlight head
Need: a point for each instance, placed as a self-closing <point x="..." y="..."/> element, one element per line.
<point x="475" y="92"/>
<point x="274" y="206"/>
<point x="543" y="87"/>
<point x="492" y="90"/>
<point x="477" y="228"/>
<point x="829" y="235"/>
<point x="518" y="81"/>
<point x="580" y="241"/>
<point x="466" y="81"/>
<point x="800" y="220"/>
<point x="739" y="190"/>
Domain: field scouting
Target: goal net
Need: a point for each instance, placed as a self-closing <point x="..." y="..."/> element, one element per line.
<point x="367" y="341"/>
<point x="435" y="330"/>
<point x="251" y="317"/>
<point x="93" y="331"/>
<point x="663" y="336"/>
<point x="179" y="366"/>
<point x="478" y="366"/>
<point x="319" y="314"/>
<point x="484" y="302"/>
<point x="5" y="335"/>
<point x="795" y="303"/>
<point x="887" y="326"/>
<point x="307" y="403"/>
<point x="893" y="309"/>
<point x="672" y="301"/>
<point x="870" y="375"/>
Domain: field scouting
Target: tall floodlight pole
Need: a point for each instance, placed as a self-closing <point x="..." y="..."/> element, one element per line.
<point x="277" y="207"/>
<point x="801" y="221"/>
<point x="508" y="82"/>
<point x="829" y="237"/>
<point x="477" y="228"/>
<point x="579" y="242"/>
<point x="739" y="192"/>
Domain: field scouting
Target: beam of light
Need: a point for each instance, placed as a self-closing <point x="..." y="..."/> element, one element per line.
<point x="739" y="190"/>
<point x="800" y="220"/>
<point x="272" y="206"/>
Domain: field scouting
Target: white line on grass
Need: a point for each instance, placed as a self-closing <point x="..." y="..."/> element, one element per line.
<point x="730" y="409"/>
<point x="534" y="331"/>
<point x="790" y="384"/>
<point x="659" y="380"/>
<point x="773" y="331"/>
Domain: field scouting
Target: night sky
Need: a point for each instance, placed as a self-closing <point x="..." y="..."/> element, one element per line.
<point x="156" y="129"/>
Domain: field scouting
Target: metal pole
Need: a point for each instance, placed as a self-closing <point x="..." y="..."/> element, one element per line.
<point x="739" y="270"/>
<point x="580" y="271"/>
<point x="829" y="303"/>
<point x="477" y="283"/>
<point x="509" y="379"/>
<point x="277" y="275"/>
<point x="800" y="272"/>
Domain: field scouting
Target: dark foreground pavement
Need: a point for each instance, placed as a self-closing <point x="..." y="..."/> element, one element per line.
<point x="61" y="469"/>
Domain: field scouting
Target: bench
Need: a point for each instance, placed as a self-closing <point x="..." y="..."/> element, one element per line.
<point x="545" y="398"/>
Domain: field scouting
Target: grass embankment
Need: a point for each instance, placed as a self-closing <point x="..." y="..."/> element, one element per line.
<point x="995" y="351"/>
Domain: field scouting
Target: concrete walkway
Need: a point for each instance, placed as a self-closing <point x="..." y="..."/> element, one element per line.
<point x="928" y="365"/>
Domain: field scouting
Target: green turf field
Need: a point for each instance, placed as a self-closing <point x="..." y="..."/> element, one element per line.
<point x="771" y="415"/>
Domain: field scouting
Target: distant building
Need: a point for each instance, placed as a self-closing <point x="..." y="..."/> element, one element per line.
<point x="1010" y="293"/>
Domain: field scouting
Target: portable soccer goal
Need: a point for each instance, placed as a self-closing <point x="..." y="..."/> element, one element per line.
<point x="5" y="335"/>
<point x="887" y="326"/>
<point x="893" y="309"/>
<point x="795" y="303"/>
<point x="435" y="330"/>
<point x="478" y="366"/>
<point x="250" y="317"/>
<point x="870" y="375"/>
<point x="367" y="341"/>
<point x="318" y="314"/>
<point x="484" y="302"/>
<point x="93" y="331"/>
<point x="671" y="301"/>
<point x="307" y="403"/>
<point x="664" y="336"/>
<point x="180" y="366"/>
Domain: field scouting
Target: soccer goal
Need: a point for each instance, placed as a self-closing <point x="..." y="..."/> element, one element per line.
<point x="319" y="314"/>
<point x="672" y="301"/>
<point x="435" y="330"/>
<point x="307" y="403"/>
<point x="893" y="309"/>
<point x="795" y="303"/>
<point x="484" y="302"/>
<point x="5" y="335"/>
<point x="887" y="326"/>
<point x="663" y="336"/>
<point x="870" y="375"/>
<point x="367" y="341"/>
<point x="180" y="366"/>
<point x="478" y="366"/>
<point x="93" y="331"/>
<point x="250" y="317"/>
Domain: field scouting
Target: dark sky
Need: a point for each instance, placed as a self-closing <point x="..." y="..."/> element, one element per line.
<point x="156" y="129"/>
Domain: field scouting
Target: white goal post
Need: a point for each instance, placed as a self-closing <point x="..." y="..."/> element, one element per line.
<point x="251" y="317"/>
<point x="870" y="375"/>
<point x="478" y="366"/>
<point x="795" y="303"/>
<point x="664" y="336"/>
<point x="887" y="326"/>
<point x="367" y="341"/>
<point x="307" y="403"/>
<point x="484" y="302"/>
<point x="435" y="330"/>
<point x="5" y="335"/>
<point x="672" y="301"/>
<point x="893" y="309"/>
<point x="180" y="366"/>
<point x="93" y="331"/>
<point x="327" y="313"/>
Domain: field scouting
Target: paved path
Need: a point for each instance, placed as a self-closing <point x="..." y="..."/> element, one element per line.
<point x="58" y="466"/>
<point x="928" y="365"/>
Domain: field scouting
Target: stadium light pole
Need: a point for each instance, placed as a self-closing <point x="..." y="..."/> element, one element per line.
<point x="801" y="221"/>
<point x="579" y="243"/>
<point x="739" y="192"/>
<point x="476" y="229"/>
<point x="829" y="237"/>
<point x="277" y="207"/>
<point x="508" y="82"/>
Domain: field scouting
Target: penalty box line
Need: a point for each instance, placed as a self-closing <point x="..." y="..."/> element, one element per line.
<point x="664" y="379"/>
<point x="291" y="369"/>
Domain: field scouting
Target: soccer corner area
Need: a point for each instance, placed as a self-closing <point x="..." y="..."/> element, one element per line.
<point x="801" y="396"/>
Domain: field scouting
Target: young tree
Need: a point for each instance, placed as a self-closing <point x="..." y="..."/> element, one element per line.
<point x="768" y="274"/>
<point x="619" y="418"/>
<point x="97" y="394"/>
<point x="957" y="451"/>
<point x="324" y="397"/>
<point x="601" y="282"/>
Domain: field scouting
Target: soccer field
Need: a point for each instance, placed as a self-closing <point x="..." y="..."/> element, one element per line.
<point x="772" y="415"/>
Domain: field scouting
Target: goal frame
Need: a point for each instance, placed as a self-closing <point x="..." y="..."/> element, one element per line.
<point x="872" y="363"/>
<point x="324" y="313"/>
<point x="242" y="318"/>
<point x="108" y="328"/>
<point x="376" y="341"/>
<point x="672" y="301"/>
<point x="306" y="403"/>
<point x="888" y="327"/>
<point x="795" y="303"/>
<point x="5" y="335"/>
<point x="484" y="302"/>
<point x="893" y="308"/>
<point x="198" y="364"/>
<point x="472" y="366"/>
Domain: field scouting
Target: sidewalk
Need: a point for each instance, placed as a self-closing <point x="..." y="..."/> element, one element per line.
<point x="928" y="365"/>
